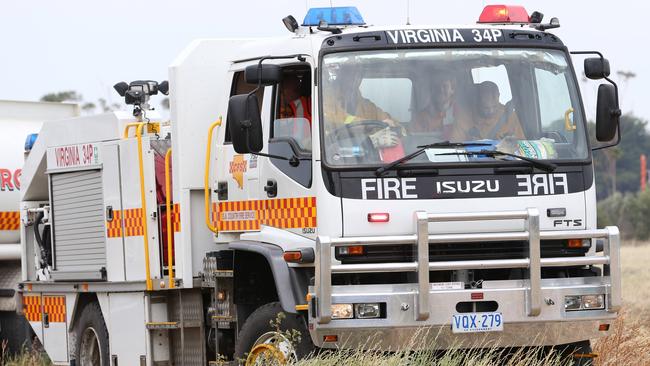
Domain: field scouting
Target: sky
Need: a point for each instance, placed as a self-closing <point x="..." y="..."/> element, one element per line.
<point x="88" y="45"/>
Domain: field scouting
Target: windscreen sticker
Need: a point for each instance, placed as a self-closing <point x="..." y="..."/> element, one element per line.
<point x="463" y="186"/>
<point x="415" y="36"/>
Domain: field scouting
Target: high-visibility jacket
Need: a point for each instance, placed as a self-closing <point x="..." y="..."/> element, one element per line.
<point x="298" y="108"/>
<point x="504" y="123"/>
<point x="301" y="108"/>
<point x="336" y="114"/>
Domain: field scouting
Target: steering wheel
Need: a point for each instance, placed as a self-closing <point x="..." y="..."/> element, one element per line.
<point x="346" y="136"/>
<point x="369" y="125"/>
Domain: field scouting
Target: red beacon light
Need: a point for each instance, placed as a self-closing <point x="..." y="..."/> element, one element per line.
<point x="504" y="14"/>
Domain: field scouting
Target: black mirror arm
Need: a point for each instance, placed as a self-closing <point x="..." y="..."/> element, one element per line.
<point x="301" y="57"/>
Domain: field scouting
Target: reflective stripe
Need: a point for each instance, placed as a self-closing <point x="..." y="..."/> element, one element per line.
<point x="283" y="213"/>
<point x="32" y="308"/>
<point x="9" y="220"/>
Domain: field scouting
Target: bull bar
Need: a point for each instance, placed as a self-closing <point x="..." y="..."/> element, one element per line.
<point x="610" y="259"/>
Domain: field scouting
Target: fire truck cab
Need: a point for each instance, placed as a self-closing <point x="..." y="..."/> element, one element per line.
<point x="371" y="183"/>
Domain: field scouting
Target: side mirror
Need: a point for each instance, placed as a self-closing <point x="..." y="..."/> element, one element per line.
<point x="607" y="113"/>
<point x="245" y="124"/>
<point x="596" y="68"/>
<point x="264" y="74"/>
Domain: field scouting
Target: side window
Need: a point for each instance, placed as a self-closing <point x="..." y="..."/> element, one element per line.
<point x="554" y="101"/>
<point x="392" y="95"/>
<point x="291" y="126"/>
<point x="293" y="108"/>
<point x="240" y="86"/>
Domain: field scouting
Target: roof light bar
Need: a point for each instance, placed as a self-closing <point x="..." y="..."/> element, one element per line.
<point x="347" y="15"/>
<point x="504" y="14"/>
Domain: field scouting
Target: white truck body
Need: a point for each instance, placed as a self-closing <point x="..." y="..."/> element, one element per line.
<point x="104" y="192"/>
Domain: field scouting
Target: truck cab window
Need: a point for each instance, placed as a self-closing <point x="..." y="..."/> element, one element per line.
<point x="293" y="108"/>
<point x="375" y="113"/>
<point x="291" y="126"/>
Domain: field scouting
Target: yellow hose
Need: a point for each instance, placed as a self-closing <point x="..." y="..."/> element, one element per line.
<point x="168" y="209"/>
<point x="206" y="178"/>
<point x="143" y="199"/>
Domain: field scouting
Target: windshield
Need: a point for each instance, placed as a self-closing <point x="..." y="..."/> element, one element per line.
<point x="378" y="106"/>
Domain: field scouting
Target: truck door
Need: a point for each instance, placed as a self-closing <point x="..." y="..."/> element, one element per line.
<point x="286" y="184"/>
<point x="238" y="187"/>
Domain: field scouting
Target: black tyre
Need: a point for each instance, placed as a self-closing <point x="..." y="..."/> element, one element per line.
<point x="16" y="331"/>
<point x="91" y="338"/>
<point x="259" y="343"/>
<point x="579" y="352"/>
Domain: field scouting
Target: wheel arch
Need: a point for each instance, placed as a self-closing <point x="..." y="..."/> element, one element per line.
<point x="290" y="285"/>
<point x="83" y="299"/>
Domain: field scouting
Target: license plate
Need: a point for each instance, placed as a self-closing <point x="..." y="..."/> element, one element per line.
<point x="477" y="322"/>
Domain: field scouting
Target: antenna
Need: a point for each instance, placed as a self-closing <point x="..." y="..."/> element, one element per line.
<point x="408" y="12"/>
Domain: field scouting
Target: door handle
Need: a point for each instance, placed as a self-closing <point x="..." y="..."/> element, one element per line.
<point x="271" y="188"/>
<point x="222" y="191"/>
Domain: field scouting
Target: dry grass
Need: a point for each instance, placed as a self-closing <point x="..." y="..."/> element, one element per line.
<point x="628" y="345"/>
<point x="630" y="342"/>
<point x="29" y="357"/>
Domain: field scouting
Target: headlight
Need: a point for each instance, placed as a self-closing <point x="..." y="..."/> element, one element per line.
<point x="593" y="302"/>
<point x="367" y="311"/>
<point x="584" y="302"/>
<point x="572" y="303"/>
<point x="342" y="311"/>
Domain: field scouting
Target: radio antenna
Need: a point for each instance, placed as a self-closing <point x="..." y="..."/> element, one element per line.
<point x="408" y="12"/>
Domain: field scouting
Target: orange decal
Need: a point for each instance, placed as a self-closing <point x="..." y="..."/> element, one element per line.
<point x="114" y="227"/>
<point x="54" y="307"/>
<point x="32" y="308"/>
<point x="132" y="218"/>
<point x="176" y="217"/>
<point x="238" y="167"/>
<point x="9" y="220"/>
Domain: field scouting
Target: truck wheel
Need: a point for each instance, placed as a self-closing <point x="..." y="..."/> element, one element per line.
<point x="16" y="331"/>
<point x="91" y="337"/>
<point x="260" y="344"/>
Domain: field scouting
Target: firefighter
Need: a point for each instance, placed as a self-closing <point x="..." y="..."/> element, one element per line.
<point x="441" y="110"/>
<point x="343" y="105"/>
<point x="294" y="103"/>
<point x="491" y="119"/>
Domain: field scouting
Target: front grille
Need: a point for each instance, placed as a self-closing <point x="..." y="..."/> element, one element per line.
<point x="461" y="251"/>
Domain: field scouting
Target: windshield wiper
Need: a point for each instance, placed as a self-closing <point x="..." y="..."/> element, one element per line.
<point x="423" y="148"/>
<point x="548" y="167"/>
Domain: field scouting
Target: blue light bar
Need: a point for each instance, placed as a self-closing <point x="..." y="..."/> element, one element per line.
<point x="346" y="15"/>
<point x="30" y="141"/>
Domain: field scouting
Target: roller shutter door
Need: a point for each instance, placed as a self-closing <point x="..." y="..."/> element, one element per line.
<point x="78" y="225"/>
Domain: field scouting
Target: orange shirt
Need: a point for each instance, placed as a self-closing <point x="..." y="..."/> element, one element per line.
<point x="479" y="127"/>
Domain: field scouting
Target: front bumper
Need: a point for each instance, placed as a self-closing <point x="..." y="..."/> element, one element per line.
<point x="419" y="316"/>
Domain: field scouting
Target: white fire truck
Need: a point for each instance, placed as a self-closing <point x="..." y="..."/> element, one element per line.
<point x="18" y="119"/>
<point x="371" y="183"/>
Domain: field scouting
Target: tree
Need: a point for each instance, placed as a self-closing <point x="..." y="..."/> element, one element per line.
<point x="63" y="96"/>
<point x="617" y="168"/>
<point x="86" y="107"/>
